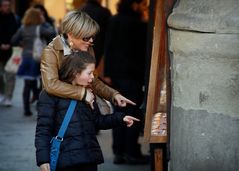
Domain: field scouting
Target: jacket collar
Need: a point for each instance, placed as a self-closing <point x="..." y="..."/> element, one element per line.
<point x="60" y="44"/>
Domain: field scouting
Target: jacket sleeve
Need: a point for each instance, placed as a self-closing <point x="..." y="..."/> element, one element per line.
<point x="109" y="121"/>
<point x="44" y="127"/>
<point x="47" y="31"/>
<point x="50" y="65"/>
<point x="17" y="37"/>
<point x="50" y="79"/>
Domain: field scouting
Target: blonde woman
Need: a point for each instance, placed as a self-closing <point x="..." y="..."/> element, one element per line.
<point x="78" y="32"/>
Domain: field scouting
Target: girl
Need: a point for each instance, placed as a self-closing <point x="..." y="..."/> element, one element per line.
<point x="80" y="150"/>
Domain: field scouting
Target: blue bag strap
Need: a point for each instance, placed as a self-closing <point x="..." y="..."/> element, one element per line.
<point x="66" y="120"/>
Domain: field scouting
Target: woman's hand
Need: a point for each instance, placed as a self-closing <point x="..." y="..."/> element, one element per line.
<point x="122" y="101"/>
<point x="130" y="120"/>
<point x="45" y="167"/>
<point x="90" y="97"/>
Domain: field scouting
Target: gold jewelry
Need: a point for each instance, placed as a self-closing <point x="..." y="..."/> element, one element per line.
<point x="71" y="44"/>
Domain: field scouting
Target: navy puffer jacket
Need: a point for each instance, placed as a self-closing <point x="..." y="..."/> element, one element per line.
<point x="80" y="145"/>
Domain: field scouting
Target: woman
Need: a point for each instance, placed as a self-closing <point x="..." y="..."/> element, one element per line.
<point x="80" y="150"/>
<point x="29" y="69"/>
<point x="78" y="32"/>
<point x="8" y="26"/>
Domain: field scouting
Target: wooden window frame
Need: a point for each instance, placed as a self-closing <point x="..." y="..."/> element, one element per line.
<point x="159" y="88"/>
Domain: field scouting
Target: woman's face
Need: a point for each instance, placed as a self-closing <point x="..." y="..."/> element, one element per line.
<point x="81" y="44"/>
<point x="86" y="77"/>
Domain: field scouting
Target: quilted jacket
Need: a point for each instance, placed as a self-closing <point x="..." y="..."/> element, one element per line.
<point x="80" y="145"/>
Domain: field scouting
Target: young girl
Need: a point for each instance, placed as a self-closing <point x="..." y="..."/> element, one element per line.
<point x="80" y="150"/>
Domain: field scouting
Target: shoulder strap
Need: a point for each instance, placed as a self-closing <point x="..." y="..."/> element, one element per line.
<point x="67" y="119"/>
<point x="38" y="31"/>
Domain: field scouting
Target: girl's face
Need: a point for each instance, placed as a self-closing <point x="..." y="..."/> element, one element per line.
<point x="81" y="44"/>
<point x="86" y="77"/>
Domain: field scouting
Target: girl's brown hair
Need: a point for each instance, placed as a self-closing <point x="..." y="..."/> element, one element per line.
<point x="73" y="64"/>
<point x="32" y="16"/>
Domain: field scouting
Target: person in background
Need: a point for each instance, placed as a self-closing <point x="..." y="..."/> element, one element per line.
<point x="125" y="53"/>
<point x="48" y="20"/>
<point x="78" y="32"/>
<point x="80" y="149"/>
<point x="101" y="15"/>
<point x="29" y="69"/>
<point x="8" y="26"/>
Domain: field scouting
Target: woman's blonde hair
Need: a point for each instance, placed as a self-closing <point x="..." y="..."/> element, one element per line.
<point x="32" y="17"/>
<point x="79" y="24"/>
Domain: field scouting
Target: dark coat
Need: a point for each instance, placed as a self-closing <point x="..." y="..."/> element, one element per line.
<point x="125" y="47"/>
<point x="80" y="145"/>
<point x="101" y="15"/>
<point x="8" y="26"/>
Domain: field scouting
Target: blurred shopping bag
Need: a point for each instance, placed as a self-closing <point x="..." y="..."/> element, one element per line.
<point x="38" y="45"/>
<point x="14" y="61"/>
<point x="105" y="106"/>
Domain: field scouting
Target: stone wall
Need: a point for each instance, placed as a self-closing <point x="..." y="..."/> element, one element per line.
<point x="204" y="51"/>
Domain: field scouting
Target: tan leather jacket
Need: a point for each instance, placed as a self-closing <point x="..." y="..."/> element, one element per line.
<point x="50" y="64"/>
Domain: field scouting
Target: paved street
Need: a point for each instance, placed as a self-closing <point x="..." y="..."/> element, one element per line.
<point x="17" y="152"/>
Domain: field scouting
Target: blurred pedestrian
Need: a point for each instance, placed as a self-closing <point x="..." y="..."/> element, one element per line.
<point x="29" y="69"/>
<point x="78" y="32"/>
<point x="48" y="20"/>
<point x="79" y="149"/>
<point x="8" y="26"/>
<point x="125" y="52"/>
<point x="101" y="15"/>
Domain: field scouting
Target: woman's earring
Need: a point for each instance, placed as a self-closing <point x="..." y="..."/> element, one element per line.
<point x="71" y="44"/>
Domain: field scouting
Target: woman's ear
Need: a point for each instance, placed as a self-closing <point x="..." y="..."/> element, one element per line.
<point x="74" y="78"/>
<point x="69" y="35"/>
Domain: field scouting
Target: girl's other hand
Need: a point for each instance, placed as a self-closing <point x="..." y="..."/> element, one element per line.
<point x="130" y="120"/>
